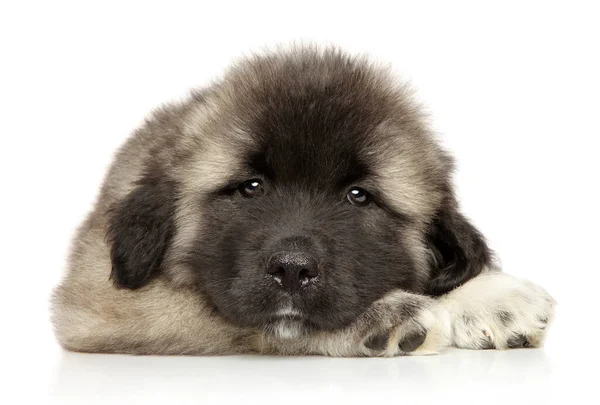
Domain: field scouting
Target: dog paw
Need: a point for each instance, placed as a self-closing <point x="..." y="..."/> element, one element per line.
<point x="497" y="311"/>
<point x="406" y="324"/>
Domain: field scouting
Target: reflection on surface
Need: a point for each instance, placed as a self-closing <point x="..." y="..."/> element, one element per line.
<point x="261" y="379"/>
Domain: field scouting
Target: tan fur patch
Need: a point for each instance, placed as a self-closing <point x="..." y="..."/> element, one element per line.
<point x="411" y="169"/>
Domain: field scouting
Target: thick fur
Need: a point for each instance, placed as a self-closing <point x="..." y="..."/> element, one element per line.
<point x="172" y="259"/>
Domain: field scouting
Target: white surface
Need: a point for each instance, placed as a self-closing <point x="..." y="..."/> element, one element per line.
<point x="512" y="88"/>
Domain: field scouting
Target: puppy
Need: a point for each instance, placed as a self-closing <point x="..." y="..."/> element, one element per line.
<point x="300" y="205"/>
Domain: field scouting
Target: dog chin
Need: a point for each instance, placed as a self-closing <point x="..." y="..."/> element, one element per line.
<point x="287" y="323"/>
<point x="286" y="328"/>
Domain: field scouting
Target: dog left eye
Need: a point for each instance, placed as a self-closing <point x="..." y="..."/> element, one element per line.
<point x="358" y="196"/>
<point x="252" y="188"/>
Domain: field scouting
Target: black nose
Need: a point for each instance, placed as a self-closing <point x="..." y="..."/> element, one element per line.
<point x="292" y="270"/>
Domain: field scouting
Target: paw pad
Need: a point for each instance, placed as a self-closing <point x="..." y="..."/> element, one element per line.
<point x="518" y="341"/>
<point x="412" y="341"/>
<point x="378" y="341"/>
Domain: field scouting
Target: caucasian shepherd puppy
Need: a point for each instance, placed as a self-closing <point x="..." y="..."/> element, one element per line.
<point x="299" y="205"/>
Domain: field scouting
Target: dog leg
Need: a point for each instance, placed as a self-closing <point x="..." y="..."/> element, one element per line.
<point x="400" y="323"/>
<point x="495" y="310"/>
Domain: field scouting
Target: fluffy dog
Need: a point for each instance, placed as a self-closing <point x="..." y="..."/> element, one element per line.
<point x="300" y="205"/>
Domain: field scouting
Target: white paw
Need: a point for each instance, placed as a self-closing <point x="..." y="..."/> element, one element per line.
<point x="495" y="310"/>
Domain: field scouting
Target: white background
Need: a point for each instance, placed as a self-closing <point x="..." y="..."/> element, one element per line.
<point x="513" y="89"/>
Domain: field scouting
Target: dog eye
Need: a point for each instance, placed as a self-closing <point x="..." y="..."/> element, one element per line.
<point x="358" y="196"/>
<point x="252" y="188"/>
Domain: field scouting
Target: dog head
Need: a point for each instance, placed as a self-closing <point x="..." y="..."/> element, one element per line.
<point x="294" y="193"/>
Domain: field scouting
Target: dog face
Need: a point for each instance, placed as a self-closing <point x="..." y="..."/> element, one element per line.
<point x="295" y="193"/>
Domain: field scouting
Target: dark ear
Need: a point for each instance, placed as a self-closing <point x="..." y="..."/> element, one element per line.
<point x="459" y="251"/>
<point x="139" y="232"/>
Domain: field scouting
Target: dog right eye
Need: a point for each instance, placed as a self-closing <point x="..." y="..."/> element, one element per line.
<point x="252" y="188"/>
<point x="358" y="196"/>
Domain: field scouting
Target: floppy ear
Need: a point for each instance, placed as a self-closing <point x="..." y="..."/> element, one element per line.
<point x="459" y="250"/>
<point x="140" y="230"/>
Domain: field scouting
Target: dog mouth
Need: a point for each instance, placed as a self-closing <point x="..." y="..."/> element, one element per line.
<point x="289" y="313"/>
<point x="296" y="318"/>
